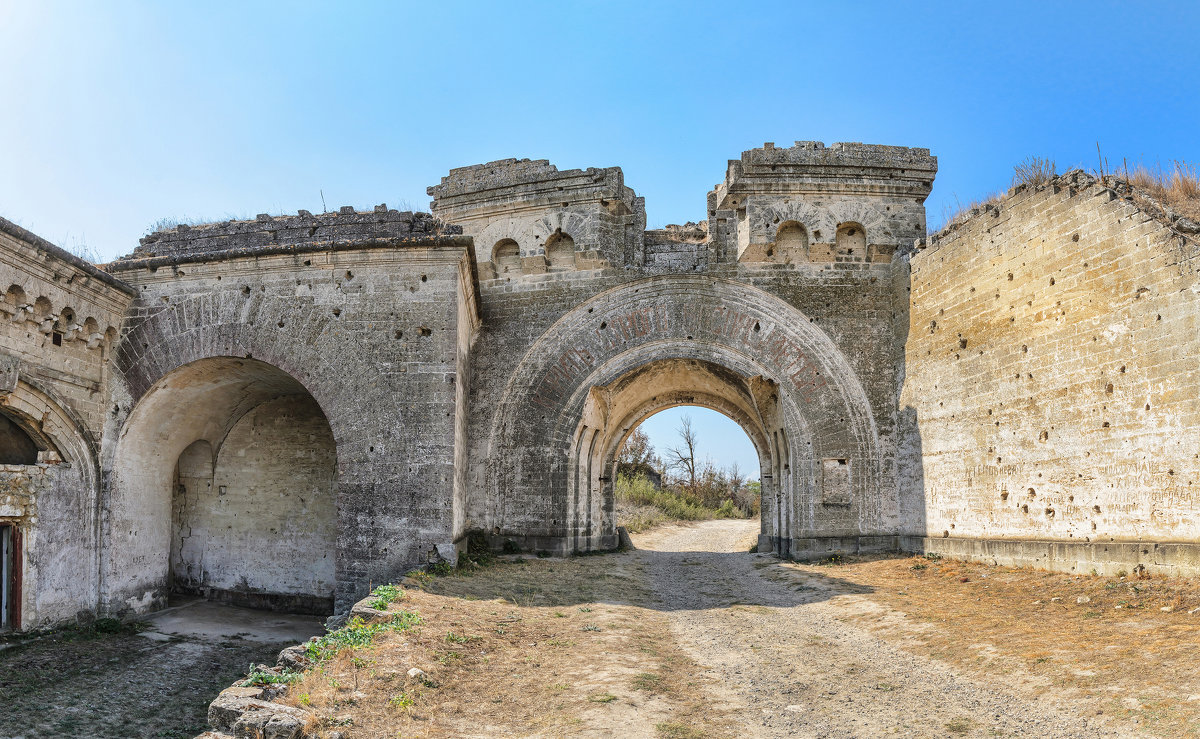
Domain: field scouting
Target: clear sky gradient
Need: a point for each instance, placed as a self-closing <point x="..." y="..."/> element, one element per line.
<point x="118" y="114"/>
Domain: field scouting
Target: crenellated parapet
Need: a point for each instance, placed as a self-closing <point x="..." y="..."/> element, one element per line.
<point x="846" y="205"/>
<point x="529" y="218"/>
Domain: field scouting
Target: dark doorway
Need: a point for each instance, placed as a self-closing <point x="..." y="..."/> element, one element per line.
<point x="10" y="577"/>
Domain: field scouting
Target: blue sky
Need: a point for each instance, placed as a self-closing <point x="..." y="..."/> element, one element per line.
<point x="118" y="114"/>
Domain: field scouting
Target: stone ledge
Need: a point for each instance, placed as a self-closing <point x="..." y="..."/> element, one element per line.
<point x="1104" y="557"/>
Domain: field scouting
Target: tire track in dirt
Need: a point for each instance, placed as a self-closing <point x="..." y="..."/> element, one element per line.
<point x="780" y="651"/>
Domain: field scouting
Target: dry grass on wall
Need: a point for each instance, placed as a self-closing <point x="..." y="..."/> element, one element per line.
<point x="1176" y="187"/>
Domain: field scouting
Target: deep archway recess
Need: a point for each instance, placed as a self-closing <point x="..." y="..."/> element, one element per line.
<point x="223" y="485"/>
<point x="744" y="350"/>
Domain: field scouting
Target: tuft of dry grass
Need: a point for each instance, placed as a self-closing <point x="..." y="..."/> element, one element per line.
<point x="1177" y="188"/>
<point x="506" y="649"/>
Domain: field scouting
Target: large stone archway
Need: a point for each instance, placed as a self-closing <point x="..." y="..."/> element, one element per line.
<point x="222" y="484"/>
<point x="649" y="344"/>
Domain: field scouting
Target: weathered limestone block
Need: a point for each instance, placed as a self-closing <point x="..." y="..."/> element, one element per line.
<point x="241" y="712"/>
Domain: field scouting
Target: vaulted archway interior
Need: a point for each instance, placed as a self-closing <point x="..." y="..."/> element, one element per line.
<point x="611" y="413"/>
<point x="223" y="486"/>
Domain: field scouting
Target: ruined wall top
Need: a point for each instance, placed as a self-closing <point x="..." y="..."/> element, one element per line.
<point x="854" y="167"/>
<point x="64" y="260"/>
<point x="525" y="174"/>
<point x="346" y="227"/>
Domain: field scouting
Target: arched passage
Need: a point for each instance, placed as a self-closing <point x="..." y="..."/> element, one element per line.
<point x="612" y="412"/>
<point x="223" y="485"/>
<point x="728" y="346"/>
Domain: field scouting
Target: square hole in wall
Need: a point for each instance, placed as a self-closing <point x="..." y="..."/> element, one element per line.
<point x="835" y="482"/>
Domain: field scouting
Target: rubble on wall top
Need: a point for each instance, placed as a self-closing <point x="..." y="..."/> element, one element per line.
<point x="851" y="153"/>
<point x="345" y="226"/>
<point x="510" y="173"/>
<point x="857" y="167"/>
<point x="690" y="232"/>
<point x="1074" y="182"/>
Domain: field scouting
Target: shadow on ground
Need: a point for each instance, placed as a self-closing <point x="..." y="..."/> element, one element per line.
<point x="118" y="682"/>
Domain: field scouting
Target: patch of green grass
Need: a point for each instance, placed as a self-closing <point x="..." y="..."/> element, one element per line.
<point x="460" y="639"/>
<point x="602" y="698"/>
<point x="647" y="681"/>
<point x="258" y="676"/>
<point x="403" y="701"/>
<point x="357" y="634"/>
<point x="449" y="657"/>
<point x="384" y="595"/>
<point x="958" y="726"/>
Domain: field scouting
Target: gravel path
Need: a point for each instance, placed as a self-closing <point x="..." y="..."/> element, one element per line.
<point x="793" y="669"/>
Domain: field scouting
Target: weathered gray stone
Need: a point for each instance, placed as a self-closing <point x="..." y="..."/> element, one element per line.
<point x="290" y="410"/>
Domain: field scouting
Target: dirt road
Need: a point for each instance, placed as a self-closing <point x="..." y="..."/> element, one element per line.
<point x="783" y="656"/>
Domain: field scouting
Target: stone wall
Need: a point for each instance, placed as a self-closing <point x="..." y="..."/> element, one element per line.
<point x="1050" y="369"/>
<point x="58" y="324"/>
<point x="285" y="410"/>
<point x="369" y="328"/>
<point x="525" y="489"/>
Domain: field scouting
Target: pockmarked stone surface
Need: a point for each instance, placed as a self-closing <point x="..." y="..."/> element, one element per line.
<point x="288" y="410"/>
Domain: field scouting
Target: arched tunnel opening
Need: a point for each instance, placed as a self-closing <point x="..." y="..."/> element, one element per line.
<point x="696" y="486"/>
<point x="687" y="463"/>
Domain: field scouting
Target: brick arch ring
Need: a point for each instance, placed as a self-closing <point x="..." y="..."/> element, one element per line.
<point x="822" y="406"/>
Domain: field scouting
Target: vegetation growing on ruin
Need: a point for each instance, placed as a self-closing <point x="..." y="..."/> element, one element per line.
<point x="651" y="491"/>
<point x="1176" y="187"/>
<point x="1172" y="191"/>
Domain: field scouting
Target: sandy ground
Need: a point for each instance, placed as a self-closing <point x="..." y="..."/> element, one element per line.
<point x="780" y="652"/>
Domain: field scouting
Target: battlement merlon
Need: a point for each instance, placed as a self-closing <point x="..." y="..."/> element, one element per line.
<point x="345" y="228"/>
<point x="511" y="185"/>
<point x="810" y="168"/>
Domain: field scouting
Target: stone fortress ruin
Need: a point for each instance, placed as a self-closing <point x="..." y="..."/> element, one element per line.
<point x="287" y="410"/>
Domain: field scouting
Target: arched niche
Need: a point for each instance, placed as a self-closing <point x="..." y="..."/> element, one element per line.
<point x="560" y="252"/>
<point x="506" y="258"/>
<point x="790" y="245"/>
<point x="851" y="241"/>
<point x="16" y="445"/>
